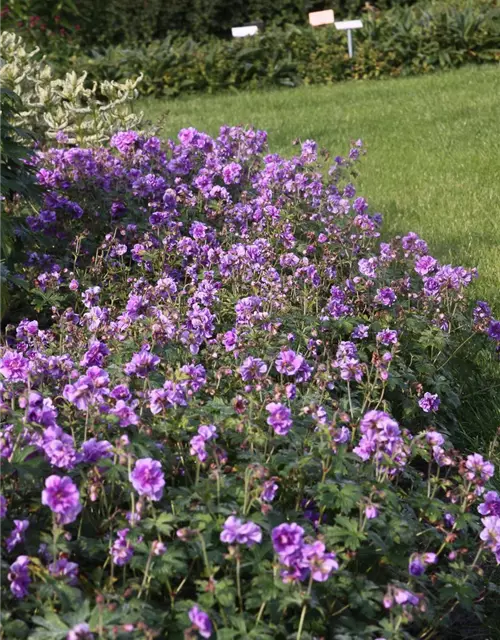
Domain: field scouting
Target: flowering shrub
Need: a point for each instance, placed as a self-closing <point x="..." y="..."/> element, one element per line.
<point x="64" y="109"/>
<point x="239" y="422"/>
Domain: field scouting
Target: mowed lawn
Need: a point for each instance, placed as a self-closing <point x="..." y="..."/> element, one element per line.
<point x="433" y="162"/>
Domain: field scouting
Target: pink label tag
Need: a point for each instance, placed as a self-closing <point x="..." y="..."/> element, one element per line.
<point x="317" y="18"/>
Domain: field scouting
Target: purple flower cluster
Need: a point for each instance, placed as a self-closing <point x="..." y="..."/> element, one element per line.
<point x="19" y="577"/>
<point x="299" y="559"/>
<point x="419" y="561"/>
<point x="198" y="443"/>
<point x="348" y="362"/>
<point x="122" y="549"/>
<point x="382" y="441"/>
<point x="478" y="471"/>
<point x="17" y="534"/>
<point x="280" y="418"/>
<point x="206" y="279"/>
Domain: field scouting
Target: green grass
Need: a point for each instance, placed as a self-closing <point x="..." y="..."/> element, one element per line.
<point x="433" y="162"/>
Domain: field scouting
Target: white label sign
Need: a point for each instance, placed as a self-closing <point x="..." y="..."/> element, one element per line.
<point x="349" y="24"/>
<point x="317" y="18"/>
<point x="243" y="32"/>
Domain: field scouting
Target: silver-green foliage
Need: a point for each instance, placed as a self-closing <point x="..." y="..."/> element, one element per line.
<point x="80" y="113"/>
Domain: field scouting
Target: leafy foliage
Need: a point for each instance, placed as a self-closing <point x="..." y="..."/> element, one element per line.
<point x="129" y="22"/>
<point x="397" y="42"/>
<point x="18" y="181"/>
<point x="65" y="109"/>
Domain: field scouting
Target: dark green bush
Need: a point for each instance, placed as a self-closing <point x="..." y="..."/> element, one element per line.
<point x="18" y="181"/>
<point x="397" y="42"/>
<point x="129" y="21"/>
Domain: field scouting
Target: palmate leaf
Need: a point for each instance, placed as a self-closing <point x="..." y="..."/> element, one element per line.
<point x="345" y="533"/>
<point x="52" y="627"/>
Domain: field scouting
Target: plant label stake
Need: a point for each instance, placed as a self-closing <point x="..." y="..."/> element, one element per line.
<point x="243" y="32"/>
<point x="349" y="25"/>
<point x="317" y="18"/>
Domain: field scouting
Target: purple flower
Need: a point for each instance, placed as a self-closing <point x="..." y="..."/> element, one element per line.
<point x="208" y="431"/>
<point x="288" y="362"/>
<point x="429" y="402"/>
<point x="432" y="287"/>
<point x="80" y="631"/>
<point x="434" y="438"/>
<point x="147" y="478"/>
<point x="142" y="363"/>
<point x="269" y="489"/>
<point x="231" y="173"/>
<point x="61" y="495"/>
<point x="66" y="570"/>
<point x="381" y="437"/>
<point x="90" y="297"/>
<point x="235" y="531"/>
<point x="201" y="622"/>
<point x="124" y="141"/>
<point x="395" y="595"/>
<point x="494" y="330"/>
<point x="3" y="506"/>
<point x="253" y="369"/>
<point x="318" y="561"/>
<point x="125" y="413"/>
<point x="95" y="355"/>
<point x="491" y="532"/>
<point x="478" y="469"/>
<point x="158" y="548"/>
<point x="122" y="550"/>
<point x="230" y="531"/>
<point x="14" y="367"/>
<point x="387" y="337"/>
<point x="94" y="450"/>
<point x="230" y="340"/>
<point x="371" y="512"/>
<point x="419" y="561"/>
<point x="19" y="577"/>
<point x="481" y="312"/>
<point x="6" y="443"/>
<point x="416" y="567"/>
<point x="491" y="504"/>
<point x="197" y="447"/>
<point x="17" y="534"/>
<point x="385" y="296"/>
<point x="368" y="267"/>
<point x="287" y="539"/>
<point x="360" y="332"/>
<point x="197" y="443"/>
<point x="425" y="264"/>
<point x="88" y="389"/>
<point x="280" y="418"/>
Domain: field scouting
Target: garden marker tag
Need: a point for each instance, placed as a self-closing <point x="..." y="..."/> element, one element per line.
<point x="243" y="32"/>
<point x="348" y="25"/>
<point x="317" y="18"/>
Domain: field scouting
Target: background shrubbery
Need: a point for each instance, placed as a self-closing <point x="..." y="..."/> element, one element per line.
<point x="397" y="42"/>
<point x="178" y="50"/>
<point x="131" y="22"/>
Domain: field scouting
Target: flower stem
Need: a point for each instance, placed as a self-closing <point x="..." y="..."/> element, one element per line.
<point x="304" y="609"/>
<point x="238" y="581"/>
<point x="146" y="572"/>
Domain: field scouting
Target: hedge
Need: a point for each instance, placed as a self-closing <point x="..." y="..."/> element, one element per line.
<point x="398" y="42"/>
